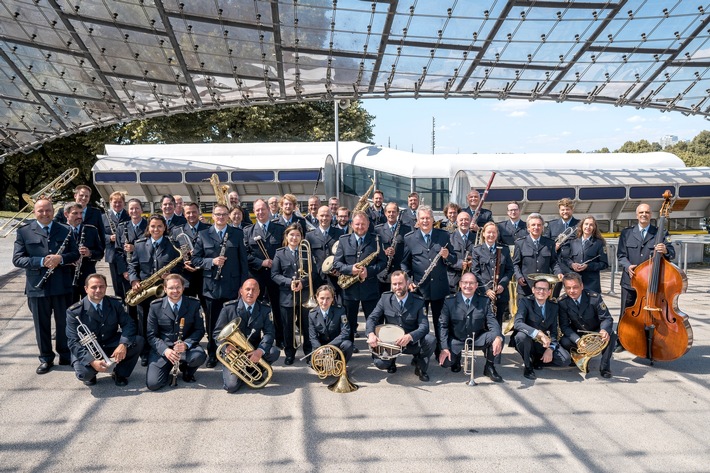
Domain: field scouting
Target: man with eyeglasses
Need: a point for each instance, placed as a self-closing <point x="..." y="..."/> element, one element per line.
<point x="534" y="254"/>
<point x="513" y="228"/>
<point x="192" y="229"/>
<point x="222" y="255"/>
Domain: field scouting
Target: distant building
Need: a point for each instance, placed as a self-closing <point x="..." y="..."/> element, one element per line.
<point x="668" y="140"/>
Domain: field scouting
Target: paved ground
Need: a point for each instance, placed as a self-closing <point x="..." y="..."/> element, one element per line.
<point x="644" y="419"/>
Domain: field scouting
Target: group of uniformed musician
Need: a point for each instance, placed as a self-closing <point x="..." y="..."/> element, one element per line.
<point x="397" y="267"/>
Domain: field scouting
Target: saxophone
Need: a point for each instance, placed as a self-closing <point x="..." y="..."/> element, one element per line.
<point x="152" y="286"/>
<point x="345" y="281"/>
<point x="362" y="203"/>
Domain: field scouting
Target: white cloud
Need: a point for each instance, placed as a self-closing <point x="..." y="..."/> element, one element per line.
<point x="517" y="114"/>
<point x="565" y="133"/>
<point x="638" y="127"/>
<point x="665" y="118"/>
<point x="586" y="108"/>
<point x="636" y="119"/>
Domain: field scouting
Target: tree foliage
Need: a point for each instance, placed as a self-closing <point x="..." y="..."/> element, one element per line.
<point x="303" y="122"/>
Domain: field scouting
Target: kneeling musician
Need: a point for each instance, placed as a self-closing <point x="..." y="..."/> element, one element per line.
<point x="583" y="312"/>
<point x="469" y="315"/>
<point x="256" y="323"/>
<point x="328" y="323"/>
<point x="404" y="309"/>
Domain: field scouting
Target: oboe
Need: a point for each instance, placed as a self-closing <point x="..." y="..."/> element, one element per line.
<point x="176" y="367"/>
<point x="77" y="270"/>
<point x="222" y="251"/>
<point x="50" y="271"/>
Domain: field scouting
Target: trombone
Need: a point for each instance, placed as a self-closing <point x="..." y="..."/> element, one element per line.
<point x="47" y="192"/>
<point x="304" y="252"/>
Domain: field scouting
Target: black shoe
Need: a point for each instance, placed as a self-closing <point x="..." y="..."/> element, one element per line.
<point x="64" y="362"/>
<point x="289" y="360"/>
<point x="422" y="376"/>
<point x="619" y="348"/>
<point x="455" y="368"/>
<point x="529" y="373"/>
<point x="392" y="368"/>
<point x="537" y="365"/>
<point x="90" y="382"/>
<point x="144" y="361"/>
<point x="120" y="380"/>
<point x="44" y="368"/>
<point x="211" y="362"/>
<point x="605" y="373"/>
<point x="491" y="372"/>
<point x="188" y="378"/>
<point x="356" y="350"/>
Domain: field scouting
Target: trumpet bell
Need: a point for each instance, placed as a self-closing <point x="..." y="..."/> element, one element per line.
<point x="310" y="303"/>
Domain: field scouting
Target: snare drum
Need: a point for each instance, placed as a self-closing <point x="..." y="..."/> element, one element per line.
<point x="386" y="348"/>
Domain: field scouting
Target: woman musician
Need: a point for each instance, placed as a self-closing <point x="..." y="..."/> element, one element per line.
<point x="328" y="323"/>
<point x="126" y="234"/>
<point x="483" y="266"/>
<point x="586" y="254"/>
<point x="292" y="288"/>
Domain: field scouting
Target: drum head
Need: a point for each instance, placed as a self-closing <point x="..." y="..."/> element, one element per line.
<point x="334" y="248"/>
<point x="389" y="333"/>
<point x="328" y="264"/>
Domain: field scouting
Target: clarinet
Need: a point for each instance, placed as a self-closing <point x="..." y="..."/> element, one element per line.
<point x="222" y="251"/>
<point x="129" y="254"/>
<point x="77" y="271"/>
<point x="390" y="259"/>
<point x="111" y="223"/>
<point x="50" y="271"/>
<point x="176" y="367"/>
<point x="496" y="278"/>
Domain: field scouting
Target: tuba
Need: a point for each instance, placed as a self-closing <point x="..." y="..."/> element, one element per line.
<point x="468" y="357"/>
<point x="329" y="360"/>
<point x="345" y="281"/>
<point x="589" y="346"/>
<point x="254" y="375"/>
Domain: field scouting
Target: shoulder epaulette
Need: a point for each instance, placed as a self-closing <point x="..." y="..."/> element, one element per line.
<point x="116" y="298"/>
<point x="562" y="297"/>
<point x="90" y="225"/>
<point x="232" y="302"/>
<point x="543" y="237"/>
<point x="521" y="238"/>
<point x="410" y="232"/>
<point x="416" y="296"/>
<point x="140" y="240"/>
<point x="76" y="305"/>
<point x="265" y="304"/>
<point x="451" y="296"/>
<point x="194" y="298"/>
<point x="593" y="294"/>
<point x="157" y="301"/>
<point x="387" y="292"/>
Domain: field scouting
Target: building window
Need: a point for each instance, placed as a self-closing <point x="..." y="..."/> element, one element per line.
<point x="433" y="192"/>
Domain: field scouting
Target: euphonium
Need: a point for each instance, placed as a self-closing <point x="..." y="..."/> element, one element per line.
<point x="329" y="360"/>
<point x="254" y="375"/>
<point x="467" y="359"/>
<point x="589" y="346"/>
<point x="345" y="281"/>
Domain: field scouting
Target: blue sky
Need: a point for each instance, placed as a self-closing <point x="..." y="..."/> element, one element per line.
<point x="516" y="126"/>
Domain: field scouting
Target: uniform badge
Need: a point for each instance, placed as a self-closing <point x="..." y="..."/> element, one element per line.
<point x="344" y="319"/>
<point x="271" y="316"/>
<point x="602" y="306"/>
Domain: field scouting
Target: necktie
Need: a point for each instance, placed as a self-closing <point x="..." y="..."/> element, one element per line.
<point x="468" y="303"/>
<point x="536" y="244"/>
<point x="46" y="229"/>
<point x="392" y="227"/>
<point x="168" y="222"/>
<point x="194" y="231"/>
<point x="584" y="244"/>
<point x="401" y="306"/>
<point x="250" y="309"/>
<point x="576" y="301"/>
<point x="175" y="309"/>
<point x="493" y="249"/>
<point x="426" y="239"/>
<point x="76" y="234"/>
<point x="542" y="309"/>
<point x="359" y="241"/>
<point x="325" y="316"/>
<point x="643" y="234"/>
<point x="99" y="311"/>
<point x="155" y="246"/>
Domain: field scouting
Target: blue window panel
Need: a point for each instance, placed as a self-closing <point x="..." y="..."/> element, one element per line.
<point x="650" y="192"/>
<point x="115" y="177"/>
<point x="300" y="175"/>
<point x="202" y="176"/>
<point x="693" y="191"/>
<point x="602" y="193"/>
<point x="164" y="177"/>
<point x="551" y="193"/>
<point x="252" y="176"/>
<point x="504" y="195"/>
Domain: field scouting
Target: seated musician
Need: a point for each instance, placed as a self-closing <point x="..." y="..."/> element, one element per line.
<point x="328" y="323"/>
<point x="536" y="330"/>
<point x="469" y="315"/>
<point x="256" y="323"/>
<point x="583" y="311"/>
<point x="103" y="315"/>
<point x="163" y="332"/>
<point x="406" y="310"/>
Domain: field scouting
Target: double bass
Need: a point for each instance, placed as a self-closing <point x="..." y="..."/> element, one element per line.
<point x="654" y="327"/>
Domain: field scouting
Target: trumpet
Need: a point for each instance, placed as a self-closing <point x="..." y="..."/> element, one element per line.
<point x="88" y="339"/>
<point x="176" y="366"/>
<point x="468" y="357"/>
<point x="564" y="236"/>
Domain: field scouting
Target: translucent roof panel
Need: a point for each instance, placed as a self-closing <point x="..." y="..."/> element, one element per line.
<point x="71" y="65"/>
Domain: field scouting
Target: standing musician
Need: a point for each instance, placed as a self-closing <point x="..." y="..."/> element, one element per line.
<point x="586" y="254"/>
<point x="376" y="212"/>
<point x="150" y="253"/>
<point x="257" y="325"/>
<point x="559" y="225"/>
<point x="536" y="331"/>
<point x="534" y="254"/>
<point x="462" y="243"/>
<point x="234" y="203"/>
<point x="352" y="250"/>
<point x="451" y="211"/>
<point x="164" y="335"/>
<point x="128" y="232"/>
<point x="288" y="205"/>
<point x="469" y="315"/>
<point x="409" y="215"/>
<point x="192" y="229"/>
<point x="90" y="215"/>
<point x="342" y="220"/>
<point x="322" y="240"/>
<point x="167" y="205"/>
<point x="583" y="311"/>
<point x="328" y="323"/>
<point x="236" y="218"/>
<point x="484" y="216"/>
<point x="406" y="310"/>
<point x="313" y="206"/>
<point x="222" y="255"/>
<point x="386" y="231"/>
<point x="111" y="219"/>
<point x="103" y="315"/>
<point x="273" y="208"/>
<point x="266" y="236"/>
<point x="179" y="205"/>
<point x="421" y="248"/>
<point x="513" y="227"/>
<point x="635" y="247"/>
<point x="91" y="248"/>
<point x="484" y="268"/>
<point x="293" y="291"/>
<point x="37" y="250"/>
<point x="333" y="205"/>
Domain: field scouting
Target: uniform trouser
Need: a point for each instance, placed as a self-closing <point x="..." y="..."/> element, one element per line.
<point x="232" y="382"/>
<point x="117" y="280"/>
<point x="287" y="319"/>
<point x="212" y="309"/>
<point x="351" y="310"/>
<point x="531" y="350"/>
<point x="158" y="373"/>
<point x="123" y="369"/>
<point x="483" y="342"/>
<point x="436" y="306"/>
<point x="42" y="309"/>
<point x="605" y="362"/>
<point x="422" y="351"/>
<point x="269" y="292"/>
<point x="142" y="310"/>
